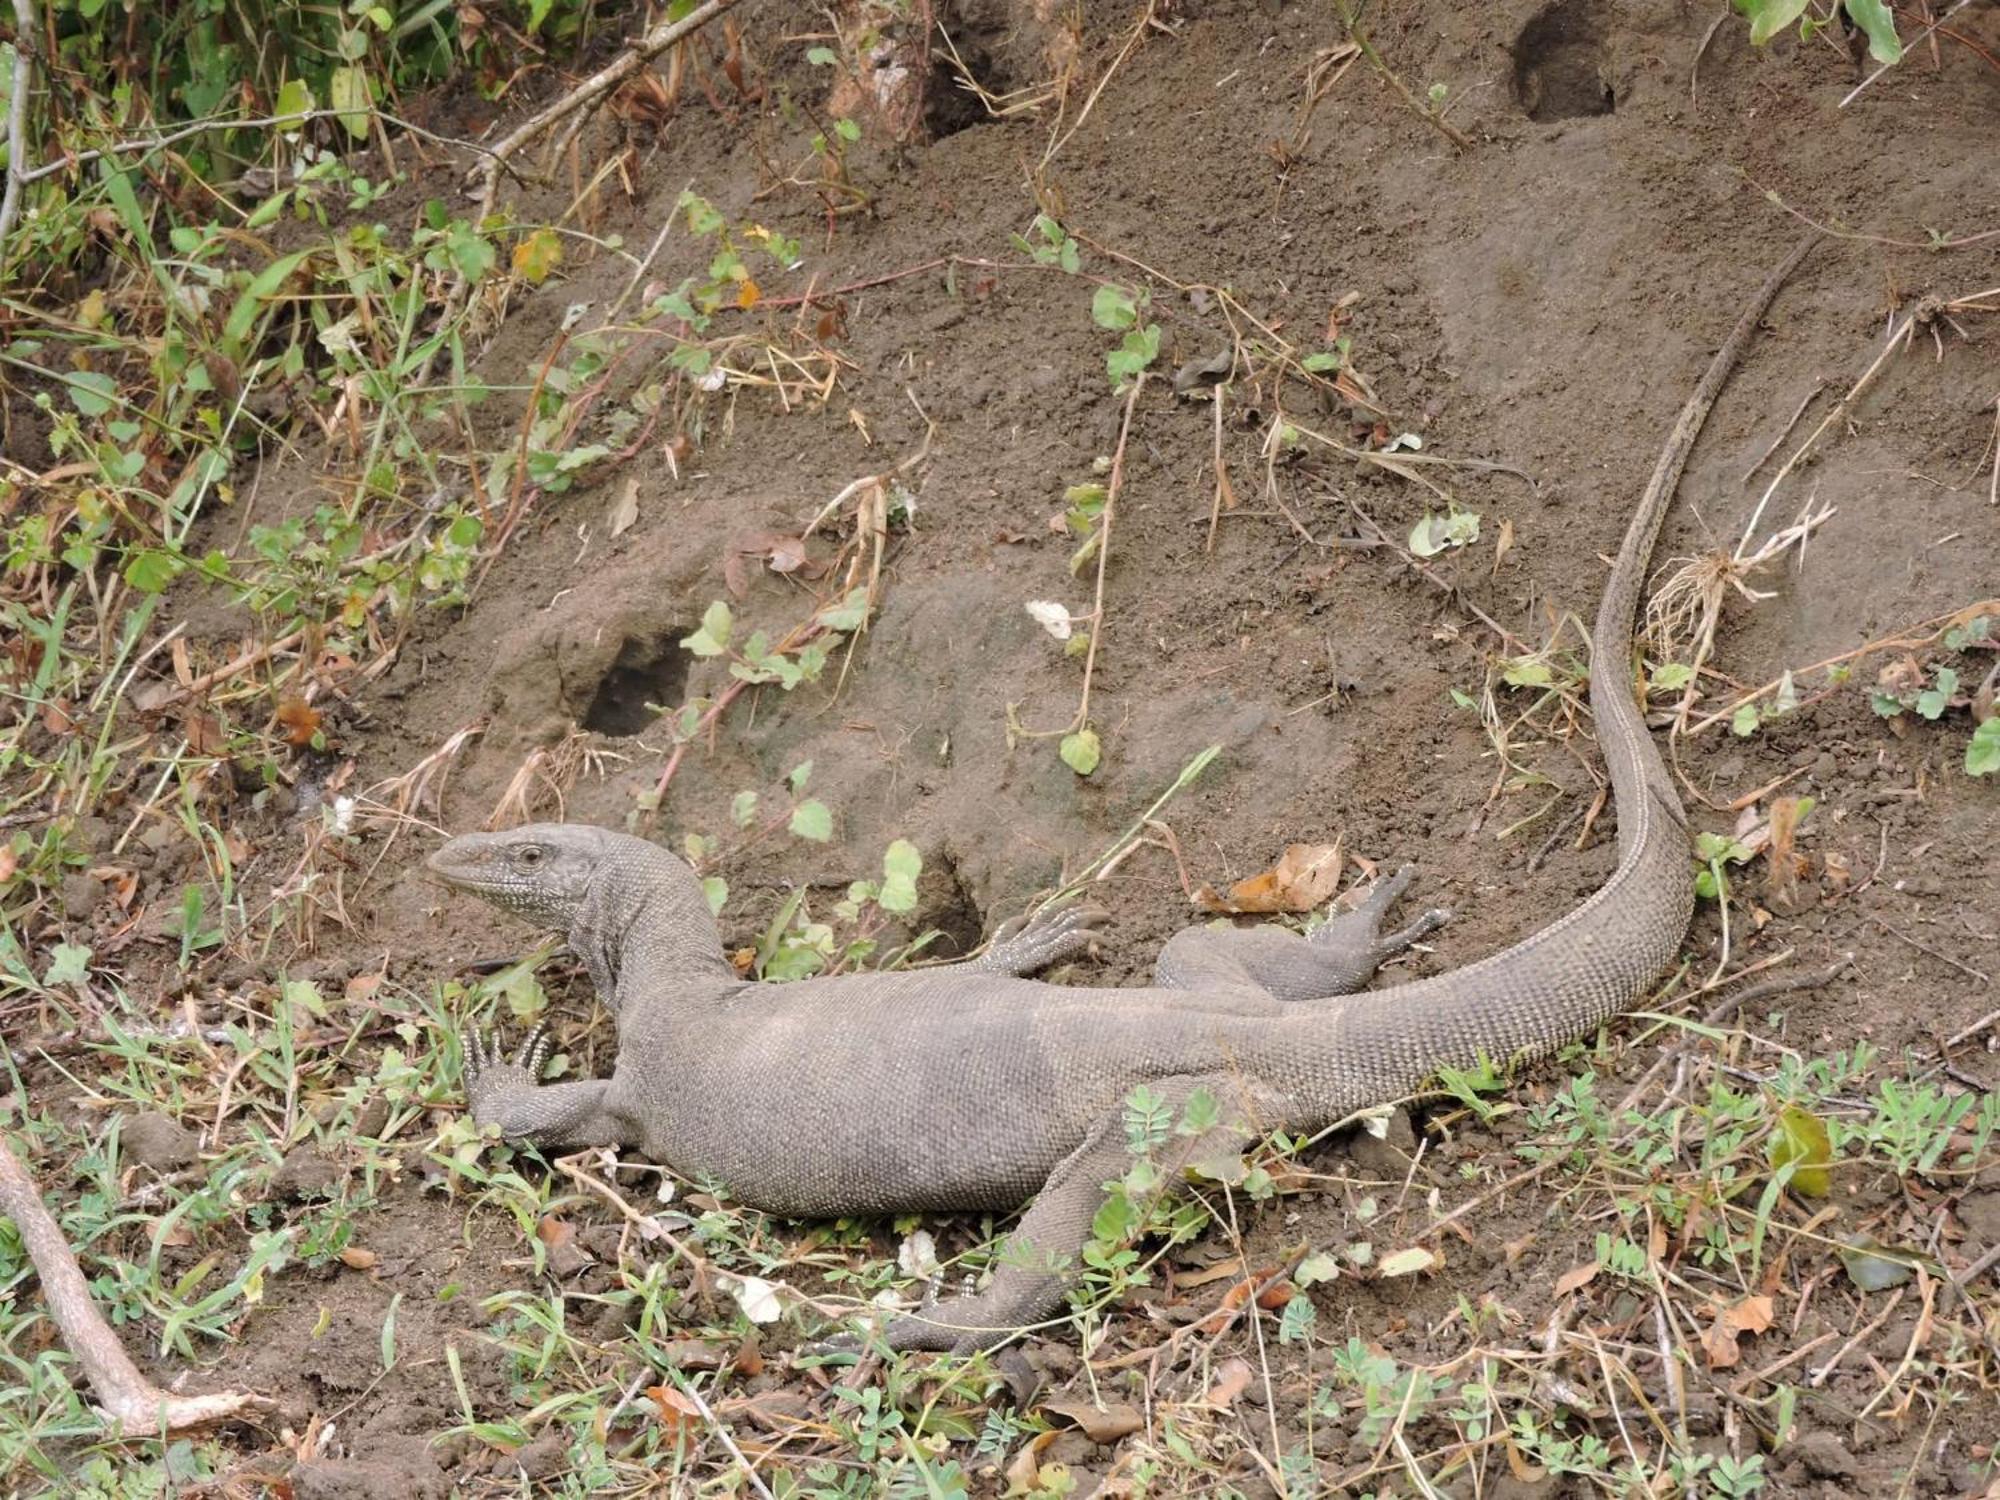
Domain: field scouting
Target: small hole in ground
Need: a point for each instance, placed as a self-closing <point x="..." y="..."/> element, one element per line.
<point x="949" y="106"/>
<point x="952" y="99"/>
<point x="1560" y="64"/>
<point x="648" y="676"/>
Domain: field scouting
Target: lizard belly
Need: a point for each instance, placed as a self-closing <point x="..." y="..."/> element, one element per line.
<point x="805" y="1114"/>
<point x="860" y="1096"/>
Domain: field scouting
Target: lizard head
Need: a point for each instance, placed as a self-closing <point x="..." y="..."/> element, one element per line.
<point x="614" y="896"/>
<point x="542" y="872"/>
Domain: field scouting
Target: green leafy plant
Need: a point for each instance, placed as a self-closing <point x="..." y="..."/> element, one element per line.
<point x="1050" y="245"/>
<point x="1122" y="310"/>
<point x="1714" y="852"/>
<point x="1930" y="692"/>
<point x="1874" y="18"/>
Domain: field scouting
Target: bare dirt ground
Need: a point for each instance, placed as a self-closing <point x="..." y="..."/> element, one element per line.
<point x="1542" y="300"/>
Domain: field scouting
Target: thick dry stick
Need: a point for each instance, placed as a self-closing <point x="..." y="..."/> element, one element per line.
<point x="131" y="1401"/>
<point x="17" y="121"/>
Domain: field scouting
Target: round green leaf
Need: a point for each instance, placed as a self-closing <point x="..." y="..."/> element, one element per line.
<point x="1081" y="751"/>
<point x="1801" y="1142"/>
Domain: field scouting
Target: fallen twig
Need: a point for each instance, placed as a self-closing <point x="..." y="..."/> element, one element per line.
<point x="130" y="1402"/>
<point x="589" y="92"/>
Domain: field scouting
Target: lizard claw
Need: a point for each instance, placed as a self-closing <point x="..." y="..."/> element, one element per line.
<point x="534" y="1050"/>
<point x="491" y="1080"/>
<point x="1024" y="944"/>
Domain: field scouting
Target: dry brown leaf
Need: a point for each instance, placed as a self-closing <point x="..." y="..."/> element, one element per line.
<point x="1525" y="1471"/>
<point x="1302" y="880"/>
<point x="1984" y="695"/>
<point x="1024" y="1470"/>
<point x="1901" y="677"/>
<point x="1099" y="1424"/>
<point x="1187" y="1281"/>
<point x="558" y="1237"/>
<point x="678" y="1414"/>
<point x="1273" y="1297"/>
<point x="644" y="100"/>
<point x="1232" y="1379"/>
<point x="780" y="551"/>
<point x="300" y="721"/>
<point x="770" y="1411"/>
<point x="203" y="731"/>
<point x="124" y="883"/>
<point x="624" y="509"/>
<point x="1748" y="1315"/>
<point x="1577" y="1279"/>
<point x="1787" y="866"/>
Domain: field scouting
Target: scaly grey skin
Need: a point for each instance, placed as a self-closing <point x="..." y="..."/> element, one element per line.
<point x="965" y="1087"/>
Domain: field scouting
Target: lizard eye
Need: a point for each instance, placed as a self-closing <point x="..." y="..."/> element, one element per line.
<point x="528" y="856"/>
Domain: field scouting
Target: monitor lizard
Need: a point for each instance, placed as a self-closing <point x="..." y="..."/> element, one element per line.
<point x="972" y="1087"/>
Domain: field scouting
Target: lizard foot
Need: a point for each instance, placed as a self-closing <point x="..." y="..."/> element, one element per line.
<point x="1360" y="929"/>
<point x="492" y="1083"/>
<point x="895" y="1331"/>
<point x="1024" y="944"/>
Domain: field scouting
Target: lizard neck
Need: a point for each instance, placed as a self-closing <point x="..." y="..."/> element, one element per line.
<point x="646" y="921"/>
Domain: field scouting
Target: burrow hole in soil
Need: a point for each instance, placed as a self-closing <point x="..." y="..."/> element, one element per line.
<point x="649" y="675"/>
<point x="960" y="923"/>
<point x="1559" y="63"/>
<point x="949" y="104"/>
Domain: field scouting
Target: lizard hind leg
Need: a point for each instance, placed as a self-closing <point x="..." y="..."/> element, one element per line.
<point x="1273" y="964"/>
<point x="1022" y="945"/>
<point x="1041" y="1259"/>
<point x="1357" y="936"/>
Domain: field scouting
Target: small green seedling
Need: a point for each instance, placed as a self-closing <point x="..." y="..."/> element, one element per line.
<point x="1714" y="851"/>
<point x="1907" y="687"/>
<point x="1119" y="309"/>
<point x="1051" y="245"/>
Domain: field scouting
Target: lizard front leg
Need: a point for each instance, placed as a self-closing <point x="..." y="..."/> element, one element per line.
<point x="560" y="1117"/>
